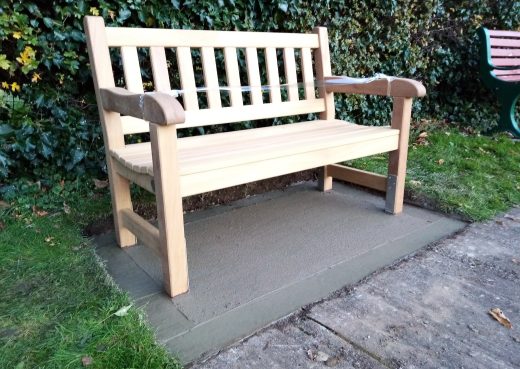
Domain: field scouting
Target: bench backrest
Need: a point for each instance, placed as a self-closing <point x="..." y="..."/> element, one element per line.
<point x="501" y="49"/>
<point x="305" y="59"/>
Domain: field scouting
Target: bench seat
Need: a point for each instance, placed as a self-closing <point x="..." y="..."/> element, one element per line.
<point x="329" y="140"/>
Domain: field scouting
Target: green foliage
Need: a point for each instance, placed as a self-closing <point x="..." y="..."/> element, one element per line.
<point x="48" y="116"/>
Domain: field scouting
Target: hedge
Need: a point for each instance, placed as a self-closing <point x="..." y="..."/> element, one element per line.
<point x="48" y="120"/>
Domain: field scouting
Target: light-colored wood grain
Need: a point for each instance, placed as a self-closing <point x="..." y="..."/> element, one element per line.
<point x="169" y="209"/>
<point x="131" y="69"/>
<point x="401" y="115"/>
<point x="120" y="36"/>
<point x="289" y="62"/>
<point x="147" y="233"/>
<point x="204" y="117"/>
<point x="209" y="66"/>
<point x="142" y="180"/>
<point x="358" y="176"/>
<point x="233" y="76"/>
<point x="273" y="78"/>
<point x="185" y="63"/>
<point x="323" y="69"/>
<point x="390" y="86"/>
<point x="161" y="78"/>
<point x="324" y="179"/>
<point x="103" y="76"/>
<point x="231" y="176"/>
<point x="253" y="75"/>
<point x="308" y="74"/>
<point x="157" y="107"/>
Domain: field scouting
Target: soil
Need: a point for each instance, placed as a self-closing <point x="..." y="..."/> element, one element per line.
<point x="208" y="199"/>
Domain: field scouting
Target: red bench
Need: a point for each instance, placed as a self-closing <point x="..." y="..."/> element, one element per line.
<point x="500" y="71"/>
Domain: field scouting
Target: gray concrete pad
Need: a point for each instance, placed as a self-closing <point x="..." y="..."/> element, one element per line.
<point x="428" y="311"/>
<point x="260" y="259"/>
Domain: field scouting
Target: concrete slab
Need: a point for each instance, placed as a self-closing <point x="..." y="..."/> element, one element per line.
<point x="262" y="258"/>
<point x="428" y="311"/>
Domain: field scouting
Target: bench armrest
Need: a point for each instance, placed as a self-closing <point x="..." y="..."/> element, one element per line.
<point x="390" y="86"/>
<point x="157" y="107"/>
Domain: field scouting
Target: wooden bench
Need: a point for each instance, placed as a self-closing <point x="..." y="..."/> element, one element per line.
<point x="500" y="71"/>
<point x="172" y="167"/>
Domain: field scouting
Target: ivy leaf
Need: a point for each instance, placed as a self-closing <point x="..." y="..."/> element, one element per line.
<point x="4" y="63"/>
<point x="5" y="129"/>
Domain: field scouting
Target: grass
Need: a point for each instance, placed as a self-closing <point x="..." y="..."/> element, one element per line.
<point x="57" y="306"/>
<point x="475" y="177"/>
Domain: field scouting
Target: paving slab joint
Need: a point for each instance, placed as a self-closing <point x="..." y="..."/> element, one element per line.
<point x="356" y="345"/>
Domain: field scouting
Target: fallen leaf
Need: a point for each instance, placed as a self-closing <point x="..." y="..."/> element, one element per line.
<point x="514" y="219"/>
<point x="66" y="208"/>
<point x="415" y="183"/>
<point x="123" y="311"/>
<point x="500" y="317"/>
<point x="316" y="355"/>
<point x="39" y="212"/>
<point x="440" y="161"/>
<point x="499" y="222"/>
<point x="4" y="205"/>
<point x="99" y="183"/>
<point x="86" y="360"/>
<point x="49" y="239"/>
<point x="423" y="134"/>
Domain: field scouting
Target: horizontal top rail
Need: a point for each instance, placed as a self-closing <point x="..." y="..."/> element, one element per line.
<point x="139" y="37"/>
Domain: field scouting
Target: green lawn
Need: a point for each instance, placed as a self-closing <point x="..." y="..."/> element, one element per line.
<point x="58" y="307"/>
<point x="475" y="177"/>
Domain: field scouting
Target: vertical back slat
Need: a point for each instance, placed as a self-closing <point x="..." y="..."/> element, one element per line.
<point x="272" y="75"/>
<point x="253" y="75"/>
<point x="323" y="69"/>
<point x="290" y="73"/>
<point x="185" y="63"/>
<point x="233" y="76"/>
<point x="161" y="79"/>
<point x="131" y="69"/>
<point x="211" y="77"/>
<point x="307" y="73"/>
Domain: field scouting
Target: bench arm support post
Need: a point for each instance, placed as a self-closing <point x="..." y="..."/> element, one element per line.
<point x="157" y="107"/>
<point x="172" y="244"/>
<point x="401" y="116"/>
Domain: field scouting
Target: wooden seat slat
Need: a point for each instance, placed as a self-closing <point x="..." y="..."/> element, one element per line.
<point x="210" y="152"/>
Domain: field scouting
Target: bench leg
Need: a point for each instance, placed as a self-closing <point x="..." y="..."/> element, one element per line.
<point x="401" y="115"/>
<point x="121" y="200"/>
<point x="507" y="122"/>
<point x="169" y="209"/>
<point x="324" y="179"/>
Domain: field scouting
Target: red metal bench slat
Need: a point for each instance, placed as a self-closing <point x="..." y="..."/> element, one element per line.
<point x="513" y="34"/>
<point x="505" y="52"/>
<point x="504" y="42"/>
<point x="505" y="62"/>
<point x="506" y="72"/>
<point x="514" y="78"/>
